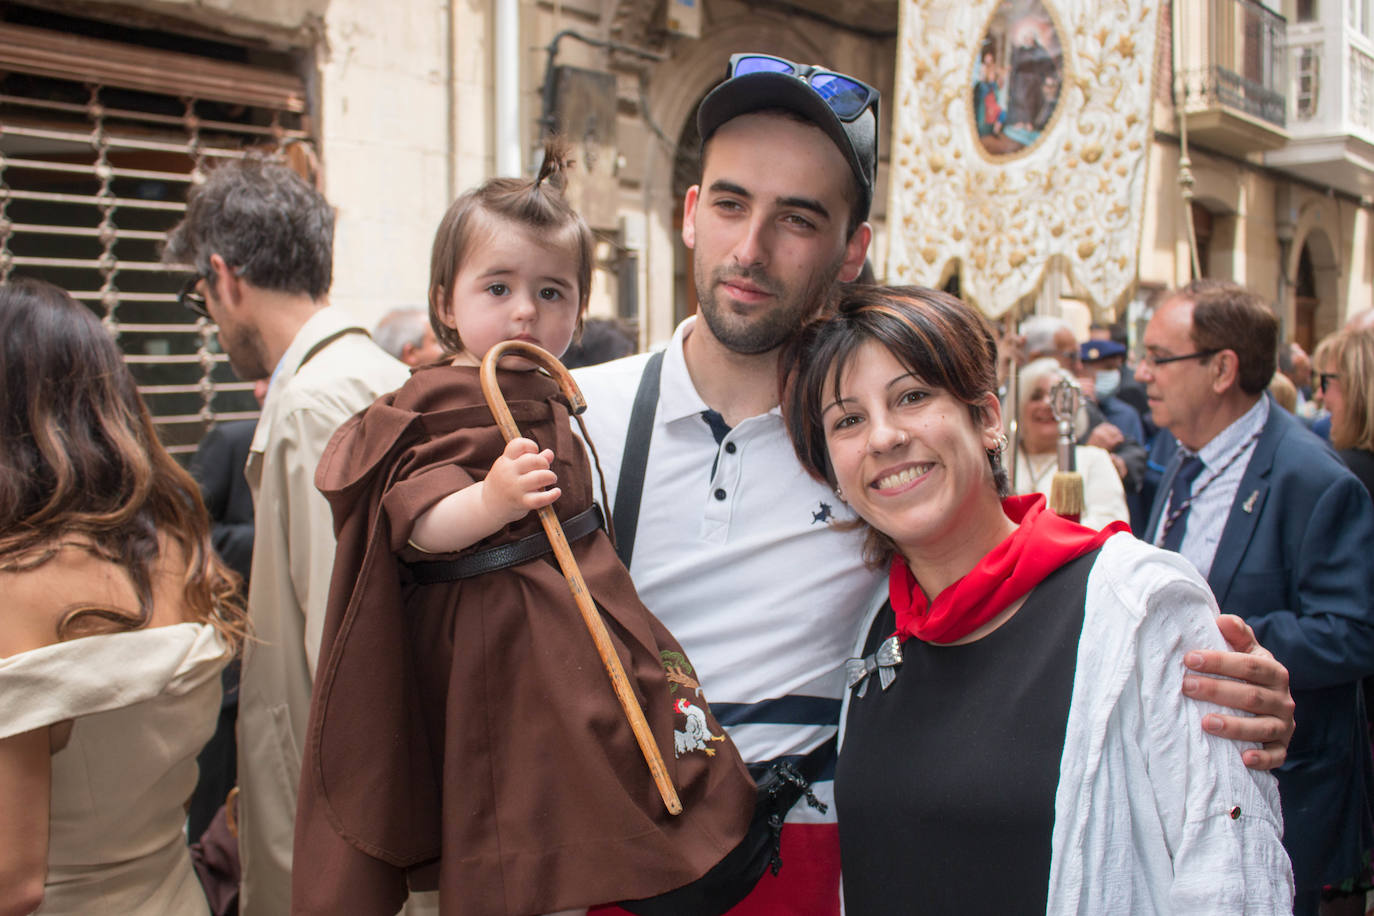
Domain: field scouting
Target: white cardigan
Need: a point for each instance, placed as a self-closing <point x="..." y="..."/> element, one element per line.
<point x="1152" y="814"/>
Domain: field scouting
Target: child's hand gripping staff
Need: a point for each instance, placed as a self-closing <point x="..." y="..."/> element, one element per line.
<point x="549" y="519"/>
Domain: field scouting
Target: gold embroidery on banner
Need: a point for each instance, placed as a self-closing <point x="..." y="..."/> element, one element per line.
<point x="1074" y="195"/>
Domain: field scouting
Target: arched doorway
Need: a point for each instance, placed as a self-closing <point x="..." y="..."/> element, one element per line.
<point x="1305" y="302"/>
<point x="1315" y="290"/>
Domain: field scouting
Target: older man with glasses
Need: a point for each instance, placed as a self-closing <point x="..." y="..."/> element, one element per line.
<point x="1280" y="529"/>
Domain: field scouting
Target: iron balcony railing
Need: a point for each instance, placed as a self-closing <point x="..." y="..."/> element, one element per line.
<point x="1234" y="57"/>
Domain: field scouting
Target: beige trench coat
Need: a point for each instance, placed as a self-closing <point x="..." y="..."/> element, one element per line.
<point x="331" y="371"/>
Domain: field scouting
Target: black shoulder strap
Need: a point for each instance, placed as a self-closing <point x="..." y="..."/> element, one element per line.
<point x="630" y="486"/>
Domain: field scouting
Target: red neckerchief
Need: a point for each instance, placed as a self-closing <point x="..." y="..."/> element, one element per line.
<point x="1041" y="543"/>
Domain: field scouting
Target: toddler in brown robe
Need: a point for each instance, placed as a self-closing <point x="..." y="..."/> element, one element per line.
<point x="463" y="730"/>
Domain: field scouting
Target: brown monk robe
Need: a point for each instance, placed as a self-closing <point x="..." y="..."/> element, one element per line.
<point x="472" y="722"/>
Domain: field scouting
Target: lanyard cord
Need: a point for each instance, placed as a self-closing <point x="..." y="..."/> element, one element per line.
<point x="1175" y="513"/>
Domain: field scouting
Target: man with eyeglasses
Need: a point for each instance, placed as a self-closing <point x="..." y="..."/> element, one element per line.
<point x="260" y="242"/>
<point x="729" y="541"/>
<point x="1281" y="531"/>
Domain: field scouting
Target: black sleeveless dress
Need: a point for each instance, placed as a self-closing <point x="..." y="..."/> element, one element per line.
<point x="946" y="782"/>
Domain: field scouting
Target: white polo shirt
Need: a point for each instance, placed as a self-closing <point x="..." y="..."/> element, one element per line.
<point x="736" y="553"/>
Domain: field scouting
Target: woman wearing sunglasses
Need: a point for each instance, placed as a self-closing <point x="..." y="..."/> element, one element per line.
<point x="1013" y="738"/>
<point x="1345" y="367"/>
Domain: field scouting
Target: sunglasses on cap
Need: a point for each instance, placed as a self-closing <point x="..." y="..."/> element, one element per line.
<point x="846" y="96"/>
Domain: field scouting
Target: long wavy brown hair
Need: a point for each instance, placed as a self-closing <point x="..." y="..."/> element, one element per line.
<point x="80" y="464"/>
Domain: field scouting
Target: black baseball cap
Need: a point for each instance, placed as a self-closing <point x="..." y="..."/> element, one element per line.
<point x="844" y="108"/>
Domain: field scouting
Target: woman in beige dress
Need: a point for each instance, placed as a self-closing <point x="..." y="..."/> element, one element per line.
<point x="117" y="619"/>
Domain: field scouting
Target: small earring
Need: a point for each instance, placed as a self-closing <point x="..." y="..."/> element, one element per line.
<point x="839" y="494"/>
<point x="1001" y="443"/>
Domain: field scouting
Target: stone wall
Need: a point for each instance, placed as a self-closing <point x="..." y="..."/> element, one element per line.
<point x="392" y="104"/>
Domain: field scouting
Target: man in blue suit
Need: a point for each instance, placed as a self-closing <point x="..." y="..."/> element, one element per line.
<point x="1281" y="530"/>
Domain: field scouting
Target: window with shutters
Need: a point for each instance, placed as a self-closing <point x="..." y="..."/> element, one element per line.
<point x="99" y="141"/>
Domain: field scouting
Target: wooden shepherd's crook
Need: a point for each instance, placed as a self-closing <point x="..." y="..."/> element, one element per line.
<point x="491" y="390"/>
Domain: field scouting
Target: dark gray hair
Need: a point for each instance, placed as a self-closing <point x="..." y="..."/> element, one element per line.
<point x="265" y="221"/>
<point x="1287" y="357"/>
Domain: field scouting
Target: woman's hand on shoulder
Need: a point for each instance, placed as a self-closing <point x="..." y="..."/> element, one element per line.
<point x="1258" y="686"/>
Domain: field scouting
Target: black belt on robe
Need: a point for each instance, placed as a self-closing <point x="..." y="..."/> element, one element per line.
<point x="530" y="547"/>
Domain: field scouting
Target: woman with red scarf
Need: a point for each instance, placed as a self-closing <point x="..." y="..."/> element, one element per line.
<point x="1014" y="738"/>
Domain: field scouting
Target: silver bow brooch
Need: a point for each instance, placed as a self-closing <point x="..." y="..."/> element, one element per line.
<point x="885" y="661"/>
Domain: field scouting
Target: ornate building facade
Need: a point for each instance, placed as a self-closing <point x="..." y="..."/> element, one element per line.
<point x="109" y="110"/>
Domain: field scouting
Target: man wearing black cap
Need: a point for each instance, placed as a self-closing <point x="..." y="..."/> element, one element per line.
<point x="732" y="545"/>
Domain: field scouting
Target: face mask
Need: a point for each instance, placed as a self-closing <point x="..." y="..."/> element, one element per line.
<point x="1107" y="383"/>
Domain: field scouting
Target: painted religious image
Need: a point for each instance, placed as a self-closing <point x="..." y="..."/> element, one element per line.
<point x="1017" y="77"/>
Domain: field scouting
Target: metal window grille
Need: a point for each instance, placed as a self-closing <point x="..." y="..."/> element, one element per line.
<point x="99" y="142"/>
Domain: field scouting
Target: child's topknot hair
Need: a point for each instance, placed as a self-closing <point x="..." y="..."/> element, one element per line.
<point x="537" y="204"/>
<point x="557" y="161"/>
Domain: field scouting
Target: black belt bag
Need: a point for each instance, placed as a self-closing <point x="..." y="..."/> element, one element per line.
<point x="781" y="784"/>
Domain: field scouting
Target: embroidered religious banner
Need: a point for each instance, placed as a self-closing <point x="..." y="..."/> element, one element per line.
<point x="1020" y="143"/>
